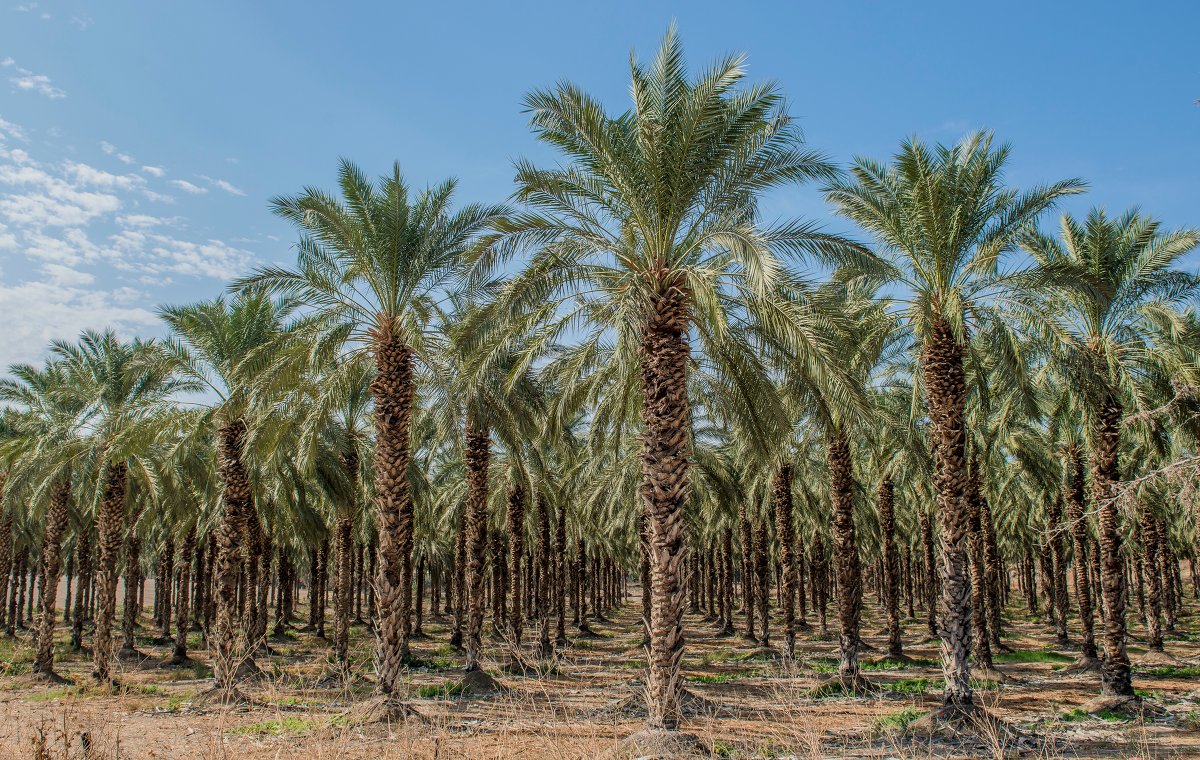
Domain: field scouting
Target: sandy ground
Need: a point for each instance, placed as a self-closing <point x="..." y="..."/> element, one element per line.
<point x="759" y="706"/>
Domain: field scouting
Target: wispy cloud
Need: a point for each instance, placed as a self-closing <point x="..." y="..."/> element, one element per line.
<point x="8" y="129"/>
<point x="188" y="187"/>
<point x="223" y="185"/>
<point x="111" y="150"/>
<point x="154" y="171"/>
<point x="24" y="79"/>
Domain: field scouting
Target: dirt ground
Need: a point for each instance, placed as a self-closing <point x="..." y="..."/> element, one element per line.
<point x="757" y="706"/>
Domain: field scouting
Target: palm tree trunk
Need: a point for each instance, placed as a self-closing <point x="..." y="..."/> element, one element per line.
<point x="133" y="572"/>
<point x="1079" y="535"/>
<point x="516" y="549"/>
<point x="845" y="548"/>
<point x="1151" y="545"/>
<point x="110" y="527"/>
<point x="1116" y="679"/>
<point x="746" y="536"/>
<point x="83" y="567"/>
<point x="56" y="528"/>
<point x="665" y="409"/>
<point x="1054" y="518"/>
<point x="891" y="581"/>
<point x="991" y="572"/>
<point x="785" y="531"/>
<point x="182" y="603"/>
<point x="560" y="586"/>
<point x="930" y="586"/>
<point x="343" y="547"/>
<point x="477" y="453"/>
<point x="946" y="392"/>
<point x="393" y="390"/>
<point x="230" y="533"/>
<point x="542" y="608"/>
<point x="6" y="555"/>
<point x="983" y="649"/>
<point x="763" y="577"/>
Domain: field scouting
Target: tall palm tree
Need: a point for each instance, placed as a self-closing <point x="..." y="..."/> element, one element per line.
<point x="226" y="347"/>
<point x="40" y="451"/>
<point x="946" y="217"/>
<point x="125" y="390"/>
<point x="372" y="264"/>
<point x="651" y="231"/>
<point x="1112" y="285"/>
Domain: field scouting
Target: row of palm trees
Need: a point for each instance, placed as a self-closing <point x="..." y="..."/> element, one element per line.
<point x="630" y="331"/>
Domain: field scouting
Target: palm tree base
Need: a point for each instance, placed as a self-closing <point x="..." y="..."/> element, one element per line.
<point x="691" y="705"/>
<point x="131" y="654"/>
<point x="177" y="661"/>
<point x="477" y="683"/>
<point x="49" y="677"/>
<point x="900" y="659"/>
<point x="1157" y="657"/>
<point x="383" y="709"/>
<point x="220" y="696"/>
<point x="659" y="743"/>
<point x="849" y="686"/>
<point x="1130" y="706"/>
<point x="1083" y="665"/>
<point x="957" y="720"/>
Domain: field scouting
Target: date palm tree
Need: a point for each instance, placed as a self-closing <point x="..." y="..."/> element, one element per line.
<point x="1112" y="287"/>
<point x="372" y="264"/>
<point x="226" y="348"/>
<point x="650" y="231"/>
<point x="946" y="216"/>
<point x="125" y="391"/>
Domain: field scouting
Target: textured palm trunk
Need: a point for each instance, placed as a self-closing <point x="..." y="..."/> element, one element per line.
<point x="132" y="608"/>
<point x="946" y="391"/>
<point x="785" y="532"/>
<point x="644" y="542"/>
<point x="393" y="390"/>
<point x="745" y="534"/>
<point x="991" y="572"/>
<point x="83" y="567"/>
<point x="229" y="653"/>
<point x="6" y="554"/>
<point x="56" y="528"/>
<point x="110" y="527"/>
<point x="930" y="586"/>
<point x="477" y="454"/>
<point x="665" y="355"/>
<point x="164" y="581"/>
<point x="886" y="498"/>
<point x="1054" y="518"/>
<point x="182" y="602"/>
<point x="343" y="548"/>
<point x="1116" y="679"/>
<point x="983" y="649"/>
<point x="516" y="550"/>
<point x="763" y="578"/>
<point x="1151" y="547"/>
<point x="542" y="606"/>
<point x="560" y="585"/>
<point x="845" y="550"/>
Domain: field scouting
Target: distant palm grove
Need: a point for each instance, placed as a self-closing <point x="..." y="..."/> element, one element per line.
<point x="624" y="386"/>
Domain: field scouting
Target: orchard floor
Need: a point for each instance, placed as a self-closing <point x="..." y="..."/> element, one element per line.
<point x="766" y="708"/>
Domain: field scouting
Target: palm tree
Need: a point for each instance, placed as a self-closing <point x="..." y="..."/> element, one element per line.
<point x="947" y="217"/>
<point x="124" y="390"/>
<point x="1111" y="285"/>
<point x="41" y="449"/>
<point x="226" y="347"/>
<point x="371" y="265"/>
<point x="652" y="227"/>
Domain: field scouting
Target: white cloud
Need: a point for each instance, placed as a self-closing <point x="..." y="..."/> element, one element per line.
<point x="38" y="312"/>
<point x="141" y="220"/>
<point x="223" y="185"/>
<point x="154" y="171"/>
<point x="111" y="150"/>
<point x="88" y="175"/>
<point x="8" y="129"/>
<point x="81" y="22"/>
<point x="157" y="197"/>
<point x="27" y="80"/>
<point x="188" y="187"/>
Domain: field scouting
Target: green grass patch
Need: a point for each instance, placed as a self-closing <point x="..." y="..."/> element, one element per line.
<point x="286" y="725"/>
<point x="1172" y="671"/>
<point x="1076" y="715"/>
<point x="917" y="662"/>
<point x="897" y="721"/>
<point x="440" y="691"/>
<point x="714" y="677"/>
<point x="1030" y="656"/>
<point x="910" y="686"/>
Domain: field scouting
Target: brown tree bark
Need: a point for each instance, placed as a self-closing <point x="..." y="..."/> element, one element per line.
<point x="182" y="604"/>
<point x="785" y="532"/>
<point x="845" y="550"/>
<point x="665" y="410"/>
<point x="886" y="498"/>
<point x="393" y="390"/>
<point x="56" y="529"/>
<point x="110" y="526"/>
<point x="229" y="653"/>
<point x="1079" y="535"/>
<point x="516" y="549"/>
<point x="83" y="567"/>
<point x="477" y="453"/>
<point x="1058" y="554"/>
<point x="946" y="392"/>
<point x="1116" y="679"/>
<point x="1151" y="547"/>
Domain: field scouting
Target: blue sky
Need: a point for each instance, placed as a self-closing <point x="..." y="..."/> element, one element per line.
<point x="140" y="142"/>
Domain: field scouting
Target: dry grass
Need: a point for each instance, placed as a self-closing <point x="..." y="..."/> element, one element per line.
<point x="558" y="712"/>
